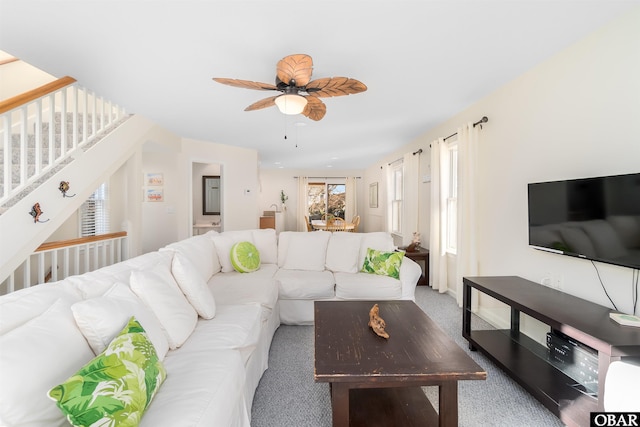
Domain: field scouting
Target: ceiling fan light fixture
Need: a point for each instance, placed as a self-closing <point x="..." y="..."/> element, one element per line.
<point x="291" y="103"/>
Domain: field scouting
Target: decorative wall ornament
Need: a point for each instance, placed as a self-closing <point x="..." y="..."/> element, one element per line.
<point x="64" y="188"/>
<point x="36" y="212"/>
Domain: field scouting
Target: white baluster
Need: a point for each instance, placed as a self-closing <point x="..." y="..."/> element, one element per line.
<point x="38" y="136"/>
<point x="23" y="146"/>
<point x="8" y="155"/>
<point x="54" y="265"/>
<point x="40" y="256"/>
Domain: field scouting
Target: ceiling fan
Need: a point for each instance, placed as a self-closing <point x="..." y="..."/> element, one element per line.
<point x="300" y="94"/>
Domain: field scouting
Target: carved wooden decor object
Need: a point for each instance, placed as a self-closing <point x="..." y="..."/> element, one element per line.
<point x="376" y="322"/>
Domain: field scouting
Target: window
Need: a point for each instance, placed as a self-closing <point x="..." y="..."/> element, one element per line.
<point x="452" y="198"/>
<point x="94" y="213"/>
<point x="326" y="198"/>
<point x="397" y="189"/>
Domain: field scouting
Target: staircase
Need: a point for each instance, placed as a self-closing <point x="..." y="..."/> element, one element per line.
<point x="39" y="150"/>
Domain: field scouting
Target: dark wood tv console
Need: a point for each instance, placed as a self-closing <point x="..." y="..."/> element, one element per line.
<point x="529" y="363"/>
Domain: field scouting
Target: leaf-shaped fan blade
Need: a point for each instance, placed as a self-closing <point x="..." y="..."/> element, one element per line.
<point x="246" y="84"/>
<point x="297" y="67"/>
<point x="315" y="109"/>
<point x="335" y="86"/>
<point x="263" y="103"/>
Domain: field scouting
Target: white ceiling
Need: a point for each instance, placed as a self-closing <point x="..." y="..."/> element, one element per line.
<point x="423" y="61"/>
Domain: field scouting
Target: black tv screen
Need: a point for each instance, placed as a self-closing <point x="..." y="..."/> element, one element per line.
<point x="593" y="218"/>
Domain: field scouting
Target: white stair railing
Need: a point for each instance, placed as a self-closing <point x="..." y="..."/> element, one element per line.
<point x="44" y="128"/>
<point x="57" y="260"/>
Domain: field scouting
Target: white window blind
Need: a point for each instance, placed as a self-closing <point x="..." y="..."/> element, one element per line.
<point x="94" y="213"/>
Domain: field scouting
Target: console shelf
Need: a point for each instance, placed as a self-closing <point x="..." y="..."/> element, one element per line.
<point x="528" y="362"/>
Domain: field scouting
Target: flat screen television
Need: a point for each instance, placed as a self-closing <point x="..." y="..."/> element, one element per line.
<point x="593" y="218"/>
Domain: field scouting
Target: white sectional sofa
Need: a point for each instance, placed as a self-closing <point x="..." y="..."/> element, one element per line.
<point x="211" y="327"/>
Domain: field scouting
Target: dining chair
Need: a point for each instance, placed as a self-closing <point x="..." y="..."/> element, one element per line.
<point x="309" y="227"/>
<point x="336" y="224"/>
<point x="355" y="221"/>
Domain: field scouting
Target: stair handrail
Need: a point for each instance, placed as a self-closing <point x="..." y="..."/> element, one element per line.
<point x="62" y="259"/>
<point x="33" y="94"/>
<point x="58" y="244"/>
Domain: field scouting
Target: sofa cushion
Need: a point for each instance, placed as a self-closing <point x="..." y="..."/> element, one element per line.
<point x="246" y="288"/>
<point x="297" y="284"/>
<point x="306" y="251"/>
<point x="343" y="252"/>
<point x="117" y="386"/>
<point x="379" y="240"/>
<point x="223" y="243"/>
<point x="101" y="319"/>
<point x="35" y="356"/>
<point x="383" y="263"/>
<point x="201" y="252"/>
<point x="235" y="327"/>
<point x="367" y="286"/>
<point x="193" y="286"/>
<point x="201" y="389"/>
<point x="157" y="289"/>
<point x="245" y="257"/>
<point x="267" y="243"/>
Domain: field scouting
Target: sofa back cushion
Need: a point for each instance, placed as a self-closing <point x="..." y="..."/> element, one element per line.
<point x="379" y="241"/>
<point x="303" y="250"/>
<point x="101" y="319"/>
<point x="17" y="308"/>
<point x="193" y="286"/>
<point x="201" y="252"/>
<point x="343" y="252"/>
<point x="266" y="241"/>
<point x="223" y="243"/>
<point x="34" y="357"/>
<point x="159" y="291"/>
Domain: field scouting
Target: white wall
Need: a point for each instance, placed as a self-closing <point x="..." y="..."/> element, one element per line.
<point x="272" y="181"/>
<point x="575" y="115"/>
<point x="239" y="168"/>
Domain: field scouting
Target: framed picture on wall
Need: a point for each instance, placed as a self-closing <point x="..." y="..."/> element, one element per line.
<point x="154" y="179"/>
<point x="373" y="195"/>
<point x="153" y="195"/>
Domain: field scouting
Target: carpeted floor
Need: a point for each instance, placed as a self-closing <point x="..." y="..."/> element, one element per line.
<point x="288" y="396"/>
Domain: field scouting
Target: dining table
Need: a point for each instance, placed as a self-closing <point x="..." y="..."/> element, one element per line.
<point x="320" y="224"/>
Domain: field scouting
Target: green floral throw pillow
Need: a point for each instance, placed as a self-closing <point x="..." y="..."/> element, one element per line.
<point x="116" y="387"/>
<point x="384" y="263"/>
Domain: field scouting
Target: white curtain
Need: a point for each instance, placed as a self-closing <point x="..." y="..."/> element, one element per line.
<point x="410" y="198"/>
<point x="351" y="198"/>
<point x="302" y="203"/>
<point x="467" y="250"/>
<point x="438" y="232"/>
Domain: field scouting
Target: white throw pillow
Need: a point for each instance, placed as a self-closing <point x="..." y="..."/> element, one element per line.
<point x="201" y="253"/>
<point x="35" y="356"/>
<point x="193" y="286"/>
<point x="343" y="252"/>
<point x="101" y="319"/>
<point x="223" y="243"/>
<point x="157" y="289"/>
<point x="266" y="242"/>
<point x="307" y="251"/>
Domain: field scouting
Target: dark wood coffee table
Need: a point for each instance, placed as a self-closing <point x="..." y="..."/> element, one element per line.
<point x="376" y="382"/>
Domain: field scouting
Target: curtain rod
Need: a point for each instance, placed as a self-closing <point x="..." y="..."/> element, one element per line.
<point x="328" y="177"/>
<point x="397" y="160"/>
<point x="479" y="122"/>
